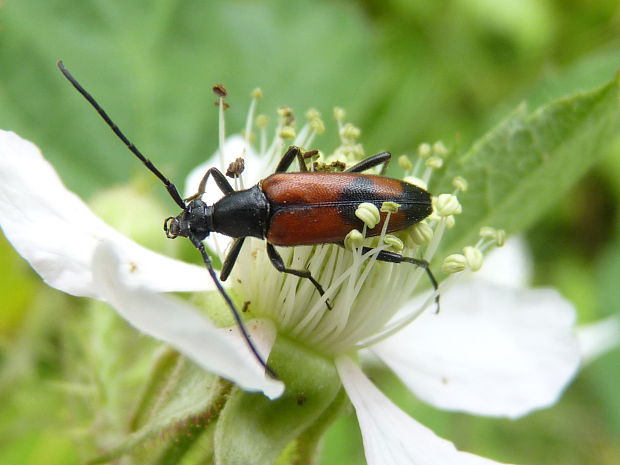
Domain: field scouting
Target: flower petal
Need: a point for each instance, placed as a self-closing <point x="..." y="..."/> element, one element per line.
<point x="57" y="233"/>
<point x="391" y="437"/>
<point x="491" y="350"/>
<point x="510" y="265"/>
<point x="219" y="350"/>
<point x="598" y="338"/>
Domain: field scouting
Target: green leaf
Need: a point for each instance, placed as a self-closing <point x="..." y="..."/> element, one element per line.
<point x="180" y="399"/>
<point x="525" y="165"/>
<point x="152" y="67"/>
<point x="253" y="430"/>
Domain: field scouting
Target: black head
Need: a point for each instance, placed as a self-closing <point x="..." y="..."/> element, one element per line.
<point x="196" y="221"/>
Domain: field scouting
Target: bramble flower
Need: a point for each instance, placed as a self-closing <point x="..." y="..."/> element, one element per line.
<point x="491" y="350"/>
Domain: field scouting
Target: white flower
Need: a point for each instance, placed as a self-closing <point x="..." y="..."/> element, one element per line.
<point x="492" y="350"/>
<point x="76" y="252"/>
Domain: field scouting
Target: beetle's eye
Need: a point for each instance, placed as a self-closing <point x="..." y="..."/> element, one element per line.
<point x="171" y="227"/>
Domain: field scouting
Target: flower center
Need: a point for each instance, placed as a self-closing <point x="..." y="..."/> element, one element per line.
<point x="365" y="293"/>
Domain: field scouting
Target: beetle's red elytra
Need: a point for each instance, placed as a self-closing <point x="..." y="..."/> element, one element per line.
<point x="317" y="208"/>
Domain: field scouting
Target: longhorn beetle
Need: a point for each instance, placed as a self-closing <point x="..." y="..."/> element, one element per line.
<point x="286" y="209"/>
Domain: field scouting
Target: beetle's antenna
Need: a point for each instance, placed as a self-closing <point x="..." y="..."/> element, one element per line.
<point x="172" y="190"/>
<point x="207" y="261"/>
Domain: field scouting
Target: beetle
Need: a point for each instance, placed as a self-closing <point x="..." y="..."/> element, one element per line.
<point x="286" y="209"/>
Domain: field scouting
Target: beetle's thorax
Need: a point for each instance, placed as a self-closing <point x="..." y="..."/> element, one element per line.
<point x="242" y="213"/>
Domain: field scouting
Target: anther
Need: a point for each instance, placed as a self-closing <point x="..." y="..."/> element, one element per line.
<point x="405" y="163"/>
<point x="287" y="133"/>
<point x="424" y="150"/>
<point x="416" y="181"/>
<point x="353" y="240"/>
<point x="339" y="113"/>
<point x="389" y="207"/>
<point x="236" y="168"/>
<point x="439" y="149"/>
<point x="220" y="90"/>
<point x="317" y="125"/>
<point x="434" y="162"/>
<point x="421" y="233"/>
<point x="287" y="116"/>
<point x="349" y="131"/>
<point x="474" y="258"/>
<point x="393" y="242"/>
<point x="261" y="121"/>
<point x="369" y="214"/>
<point x="500" y="238"/>
<point x="460" y="183"/>
<point x="447" y="204"/>
<point x="312" y="113"/>
<point x="454" y="263"/>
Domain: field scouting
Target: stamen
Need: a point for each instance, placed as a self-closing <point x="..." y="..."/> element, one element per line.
<point x="256" y="94"/>
<point x="261" y="124"/>
<point x="388" y="208"/>
<point x="447" y="204"/>
<point x="424" y="151"/>
<point x="460" y="184"/>
<point x="432" y="163"/>
<point x="353" y="240"/>
<point x="439" y="149"/>
<point x="339" y="115"/>
<point x="220" y="91"/>
<point x="405" y="163"/>
<point x="349" y="134"/>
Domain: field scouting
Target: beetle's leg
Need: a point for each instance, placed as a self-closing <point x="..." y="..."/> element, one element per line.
<point x="277" y="261"/>
<point x="287" y="159"/>
<point x="231" y="258"/>
<point x="371" y="162"/>
<point x="246" y="335"/>
<point x="220" y="180"/>
<point x="385" y="256"/>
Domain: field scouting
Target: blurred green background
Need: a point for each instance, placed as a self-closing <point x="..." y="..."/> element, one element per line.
<point x="406" y="72"/>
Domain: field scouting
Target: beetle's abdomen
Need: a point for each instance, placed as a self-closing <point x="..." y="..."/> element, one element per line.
<point x="316" y="208"/>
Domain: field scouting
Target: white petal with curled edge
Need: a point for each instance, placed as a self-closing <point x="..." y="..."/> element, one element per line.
<point x="598" y="338"/>
<point x="219" y="350"/>
<point x="491" y="350"/>
<point x="391" y="437"/>
<point x="57" y="233"/>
